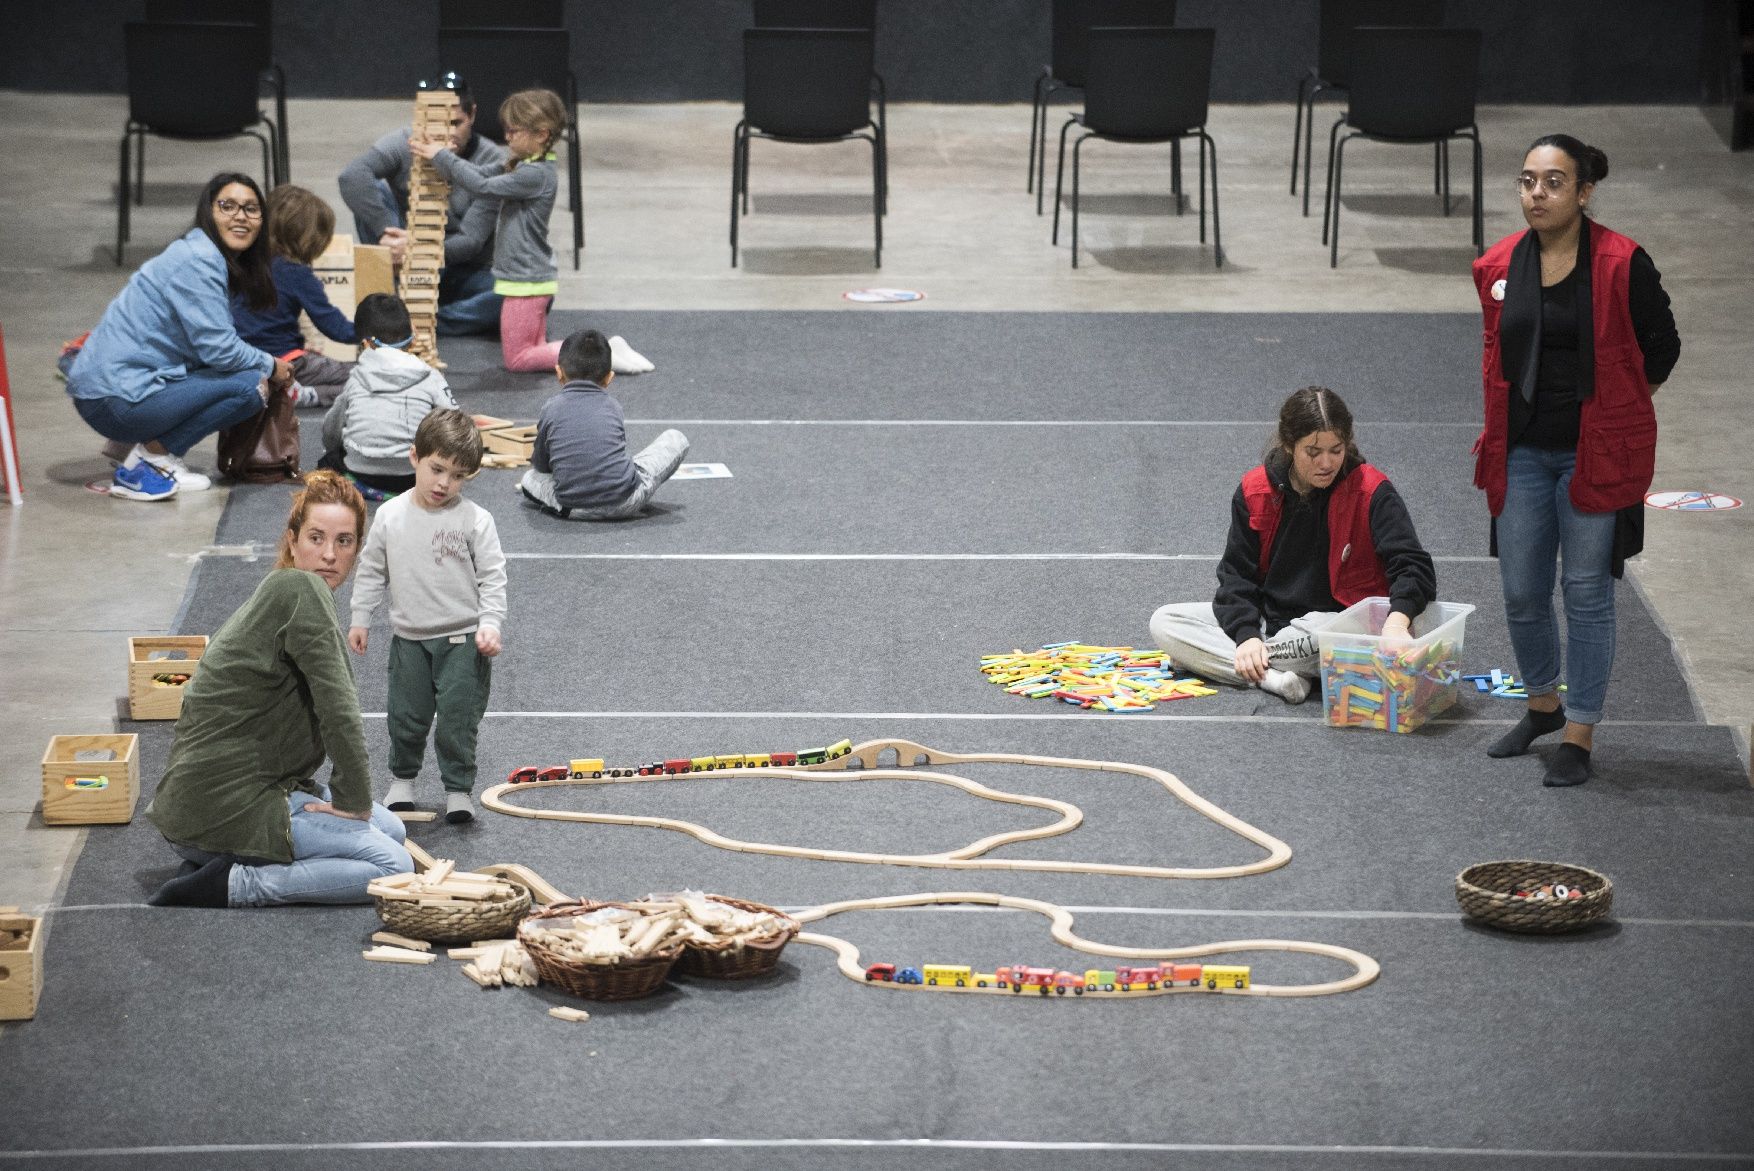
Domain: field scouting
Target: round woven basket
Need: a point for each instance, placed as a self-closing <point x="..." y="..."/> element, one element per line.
<point x="628" y="979"/>
<point x="725" y="960"/>
<point x="494" y="918"/>
<point x="1487" y="893"/>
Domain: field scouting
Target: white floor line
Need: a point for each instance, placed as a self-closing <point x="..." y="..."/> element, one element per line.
<point x="903" y="557"/>
<point x="1186" y="912"/>
<point x="939" y="1144"/>
<point x="1143" y="717"/>
<point x="1267" y="424"/>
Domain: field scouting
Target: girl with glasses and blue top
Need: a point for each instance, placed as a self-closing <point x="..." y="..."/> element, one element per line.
<point x="165" y="368"/>
<point x="1578" y="338"/>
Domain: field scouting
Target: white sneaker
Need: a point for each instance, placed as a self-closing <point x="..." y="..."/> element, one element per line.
<point x="624" y="359"/>
<point x="1288" y="686"/>
<point x="188" y="479"/>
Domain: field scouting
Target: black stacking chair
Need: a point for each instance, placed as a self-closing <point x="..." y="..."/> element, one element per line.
<point x="1072" y="20"/>
<point x="497" y="62"/>
<point x="163" y="100"/>
<point x="550" y="14"/>
<point x="1145" y="85"/>
<point x="1408" y="85"/>
<point x="256" y="13"/>
<point x="831" y="14"/>
<point x="1329" y="75"/>
<point x="808" y="86"/>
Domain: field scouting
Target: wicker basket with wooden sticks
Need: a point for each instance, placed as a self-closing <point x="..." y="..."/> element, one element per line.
<point x="591" y="952"/>
<point x="447" y="906"/>
<point x="736" y="939"/>
<point x="1489" y="893"/>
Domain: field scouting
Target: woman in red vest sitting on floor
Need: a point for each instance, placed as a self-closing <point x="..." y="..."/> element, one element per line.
<point x="1312" y="530"/>
<point x="1578" y="337"/>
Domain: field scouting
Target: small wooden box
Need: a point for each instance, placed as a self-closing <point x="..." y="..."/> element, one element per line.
<point x="90" y="792"/>
<point x="21" y="966"/>
<point x="519" y="441"/>
<point x="149" y="699"/>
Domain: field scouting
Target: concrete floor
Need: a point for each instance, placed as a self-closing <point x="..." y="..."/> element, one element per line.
<point x="80" y="572"/>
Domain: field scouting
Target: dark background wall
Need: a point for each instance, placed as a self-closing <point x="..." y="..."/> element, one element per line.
<point x="1559" y="51"/>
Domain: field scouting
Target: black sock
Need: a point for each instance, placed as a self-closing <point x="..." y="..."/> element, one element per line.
<point x="1516" y="741"/>
<point x="1569" y="765"/>
<point x="207" y="887"/>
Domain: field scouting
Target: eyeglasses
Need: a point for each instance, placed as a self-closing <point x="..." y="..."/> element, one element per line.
<point x="1553" y="181"/>
<point x="231" y="207"/>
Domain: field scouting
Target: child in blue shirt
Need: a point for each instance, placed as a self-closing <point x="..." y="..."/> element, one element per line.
<point x="299" y="227"/>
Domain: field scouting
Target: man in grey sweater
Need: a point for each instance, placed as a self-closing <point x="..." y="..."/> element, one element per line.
<point x="375" y="188"/>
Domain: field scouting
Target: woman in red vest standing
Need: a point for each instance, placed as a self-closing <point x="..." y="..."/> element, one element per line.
<point x="1578" y="337"/>
<point x="1313" y="530"/>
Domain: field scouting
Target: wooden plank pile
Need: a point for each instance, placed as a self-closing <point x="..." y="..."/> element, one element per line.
<point x="428" y="207"/>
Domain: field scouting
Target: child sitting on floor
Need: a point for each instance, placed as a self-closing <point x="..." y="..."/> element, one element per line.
<point x="369" y="430"/>
<point x="439" y="555"/>
<point x="300" y="226"/>
<point x="579" y="467"/>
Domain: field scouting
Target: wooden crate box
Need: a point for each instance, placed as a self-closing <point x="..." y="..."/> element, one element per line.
<point x="90" y="792"/>
<point x="21" y="965"/>
<point x="149" y="698"/>
<point x="518" y="441"/>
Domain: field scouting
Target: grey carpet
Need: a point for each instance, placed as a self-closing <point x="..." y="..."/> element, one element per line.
<point x="1474" y="1049"/>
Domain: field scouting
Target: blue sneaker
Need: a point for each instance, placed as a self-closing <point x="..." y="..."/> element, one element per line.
<point x="142" y="482"/>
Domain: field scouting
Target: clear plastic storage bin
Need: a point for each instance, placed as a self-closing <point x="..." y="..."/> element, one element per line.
<point x="1393" y="685"/>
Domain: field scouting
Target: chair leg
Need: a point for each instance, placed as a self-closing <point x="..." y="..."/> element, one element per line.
<point x="1309" y="140"/>
<point x="1338" y="176"/>
<point x="1297" y="130"/>
<point x="883" y="132"/>
<point x="267" y="161"/>
<point x="736" y="185"/>
<point x="1175" y="172"/>
<point x="575" y="193"/>
<point x="877" y="178"/>
<point x="1041" y="160"/>
<point x="1035" y="105"/>
<point x="1202" y="187"/>
<point x="139" y="168"/>
<point x="1077" y="149"/>
<point x="1479" y="196"/>
<point x="122" y="194"/>
<point x="280" y="120"/>
<point x="1333" y="133"/>
<point x="1059" y="178"/>
<point x="1217" y="237"/>
<point x="1437" y="168"/>
<point x="1443" y="151"/>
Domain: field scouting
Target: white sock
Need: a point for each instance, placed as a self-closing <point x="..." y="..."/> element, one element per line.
<point x="400" y="796"/>
<point x="624" y="359"/>
<point x="1288" y="686"/>
<point x="458" y="807"/>
<point x="135" y="456"/>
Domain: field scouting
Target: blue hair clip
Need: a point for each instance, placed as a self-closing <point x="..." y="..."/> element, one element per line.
<point x="401" y="345"/>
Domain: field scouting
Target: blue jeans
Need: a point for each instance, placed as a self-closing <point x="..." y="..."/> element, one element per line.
<point x="467" y="302"/>
<point x="181" y="415"/>
<point x="1538" y="526"/>
<point x="334" y="858"/>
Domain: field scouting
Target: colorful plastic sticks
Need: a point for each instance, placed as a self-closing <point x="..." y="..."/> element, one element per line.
<point x="1390" y="690"/>
<point x="1115" y="679"/>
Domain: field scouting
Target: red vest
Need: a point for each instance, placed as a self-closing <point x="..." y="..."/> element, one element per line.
<point x="1617" y="431"/>
<point x="1355" y="572"/>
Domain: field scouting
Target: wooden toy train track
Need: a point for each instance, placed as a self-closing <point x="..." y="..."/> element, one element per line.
<point x="908" y="755"/>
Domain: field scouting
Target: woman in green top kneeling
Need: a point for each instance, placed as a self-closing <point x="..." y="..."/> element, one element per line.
<point x="273" y="699"/>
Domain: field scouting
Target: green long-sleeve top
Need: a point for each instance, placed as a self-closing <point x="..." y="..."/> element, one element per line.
<point x="272" y="698"/>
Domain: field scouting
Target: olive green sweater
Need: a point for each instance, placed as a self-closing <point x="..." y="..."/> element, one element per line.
<point x="272" y="698"/>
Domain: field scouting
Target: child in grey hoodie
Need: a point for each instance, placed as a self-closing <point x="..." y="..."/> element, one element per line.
<point x="369" y="430"/>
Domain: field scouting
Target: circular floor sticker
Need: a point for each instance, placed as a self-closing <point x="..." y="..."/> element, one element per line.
<point x="1692" y="501"/>
<point x="883" y="296"/>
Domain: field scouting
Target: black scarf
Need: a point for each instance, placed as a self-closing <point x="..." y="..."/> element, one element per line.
<point x="1519" y="326"/>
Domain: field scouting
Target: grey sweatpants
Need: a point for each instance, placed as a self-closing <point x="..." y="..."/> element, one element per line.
<point x="1189" y="631"/>
<point x="652" y="466"/>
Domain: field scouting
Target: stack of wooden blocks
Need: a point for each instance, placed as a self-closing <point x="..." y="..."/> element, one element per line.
<point x="428" y="205"/>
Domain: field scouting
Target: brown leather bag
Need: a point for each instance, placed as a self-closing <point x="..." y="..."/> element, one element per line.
<point x="264" y="448"/>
